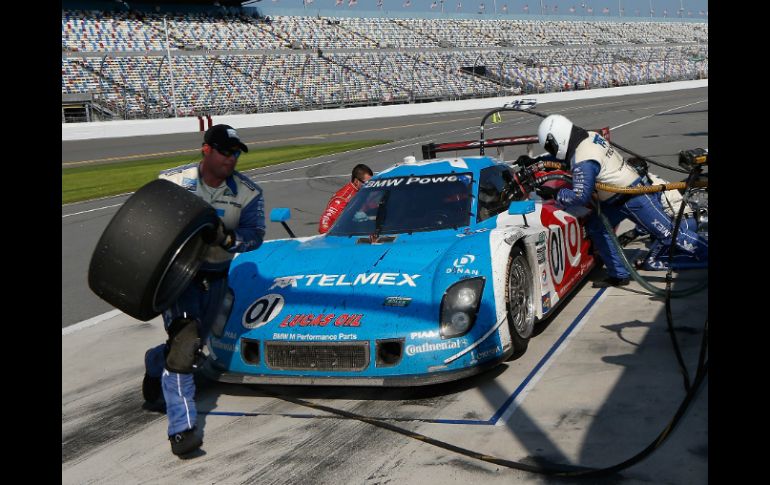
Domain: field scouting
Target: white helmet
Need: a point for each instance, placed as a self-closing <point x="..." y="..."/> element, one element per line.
<point x="553" y="134"/>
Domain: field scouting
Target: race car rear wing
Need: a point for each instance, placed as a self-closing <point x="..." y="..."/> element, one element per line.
<point x="431" y="149"/>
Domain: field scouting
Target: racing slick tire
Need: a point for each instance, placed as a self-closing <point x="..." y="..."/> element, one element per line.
<point x="151" y="249"/>
<point x="519" y="301"/>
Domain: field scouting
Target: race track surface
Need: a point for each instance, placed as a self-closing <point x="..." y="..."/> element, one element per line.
<point x="596" y="385"/>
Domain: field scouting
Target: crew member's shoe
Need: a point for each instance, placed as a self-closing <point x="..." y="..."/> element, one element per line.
<point x="185" y="442"/>
<point x="658" y="265"/>
<point x="612" y="281"/>
<point x="654" y="265"/>
<point x="628" y="236"/>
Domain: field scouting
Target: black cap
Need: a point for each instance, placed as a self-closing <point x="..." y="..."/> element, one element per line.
<point x="224" y="137"/>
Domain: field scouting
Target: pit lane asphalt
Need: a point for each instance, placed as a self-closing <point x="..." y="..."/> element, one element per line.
<point x="609" y="388"/>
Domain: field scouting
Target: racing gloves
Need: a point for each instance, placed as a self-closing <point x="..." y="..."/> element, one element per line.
<point x="219" y="236"/>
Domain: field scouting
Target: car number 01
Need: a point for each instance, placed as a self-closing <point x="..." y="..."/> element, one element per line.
<point x="263" y="310"/>
<point x="556" y="253"/>
<point x="559" y="249"/>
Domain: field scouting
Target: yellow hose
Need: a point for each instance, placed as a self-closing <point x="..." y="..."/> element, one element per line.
<point x="640" y="189"/>
<point x="648" y="189"/>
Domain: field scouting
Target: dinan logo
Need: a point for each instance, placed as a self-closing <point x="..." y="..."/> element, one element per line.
<point x="460" y="263"/>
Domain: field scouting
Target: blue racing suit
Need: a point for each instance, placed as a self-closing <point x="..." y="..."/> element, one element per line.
<point x="596" y="161"/>
<point x="240" y="205"/>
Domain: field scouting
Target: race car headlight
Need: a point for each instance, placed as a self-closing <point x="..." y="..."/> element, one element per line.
<point x="223" y="313"/>
<point x="459" y="307"/>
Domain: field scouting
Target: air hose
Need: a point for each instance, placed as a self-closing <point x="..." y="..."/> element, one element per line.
<point x="669" y="293"/>
<point x="649" y="189"/>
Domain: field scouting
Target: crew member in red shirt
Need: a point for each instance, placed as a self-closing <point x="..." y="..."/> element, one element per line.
<point x="361" y="174"/>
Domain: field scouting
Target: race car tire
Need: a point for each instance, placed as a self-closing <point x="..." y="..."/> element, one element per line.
<point x="151" y="249"/>
<point x="519" y="301"/>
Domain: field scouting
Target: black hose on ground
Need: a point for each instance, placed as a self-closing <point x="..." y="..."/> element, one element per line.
<point x="544" y="468"/>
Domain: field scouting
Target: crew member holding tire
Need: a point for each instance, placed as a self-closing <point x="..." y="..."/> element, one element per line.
<point x="592" y="159"/>
<point x="241" y="227"/>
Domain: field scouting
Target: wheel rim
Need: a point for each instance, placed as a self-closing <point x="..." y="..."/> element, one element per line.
<point x="179" y="272"/>
<point x="520" y="305"/>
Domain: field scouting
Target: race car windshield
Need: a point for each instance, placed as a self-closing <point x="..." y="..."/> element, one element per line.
<point x="413" y="204"/>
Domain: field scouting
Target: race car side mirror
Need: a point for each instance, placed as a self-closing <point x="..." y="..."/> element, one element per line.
<point x="282" y="214"/>
<point x="521" y="207"/>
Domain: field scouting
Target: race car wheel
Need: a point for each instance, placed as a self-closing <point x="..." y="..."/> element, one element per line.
<point x="519" y="301"/>
<point x="151" y="249"/>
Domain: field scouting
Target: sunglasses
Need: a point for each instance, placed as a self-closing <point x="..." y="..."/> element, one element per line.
<point x="227" y="153"/>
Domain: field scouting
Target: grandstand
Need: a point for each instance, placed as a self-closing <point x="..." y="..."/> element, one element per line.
<point x="149" y="61"/>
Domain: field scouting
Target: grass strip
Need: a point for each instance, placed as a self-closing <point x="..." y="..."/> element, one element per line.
<point x="90" y="182"/>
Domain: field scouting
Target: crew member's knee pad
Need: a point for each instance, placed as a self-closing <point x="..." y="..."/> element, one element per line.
<point x="184" y="344"/>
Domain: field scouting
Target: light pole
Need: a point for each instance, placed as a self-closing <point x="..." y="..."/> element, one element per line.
<point x="650" y="8"/>
<point x="170" y="67"/>
<point x="414" y="69"/>
<point x="379" y="76"/>
<point x="102" y="90"/>
<point x="475" y="81"/>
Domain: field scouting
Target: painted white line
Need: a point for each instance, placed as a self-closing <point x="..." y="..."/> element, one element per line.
<point x="541" y="372"/>
<point x="293" y="168"/>
<point x="96" y="199"/>
<point x="91" y="210"/>
<point x="90" y="322"/>
<point x="298" y="179"/>
<point x="409" y="145"/>
<point x="414" y="140"/>
<point x="660" y="113"/>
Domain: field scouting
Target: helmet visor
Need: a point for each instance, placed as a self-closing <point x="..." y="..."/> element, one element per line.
<point x="551" y="146"/>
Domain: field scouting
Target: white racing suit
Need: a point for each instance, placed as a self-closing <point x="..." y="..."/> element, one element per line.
<point x="240" y="205"/>
<point x="595" y="160"/>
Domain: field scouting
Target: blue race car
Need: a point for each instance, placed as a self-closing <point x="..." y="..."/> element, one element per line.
<point x="435" y="270"/>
